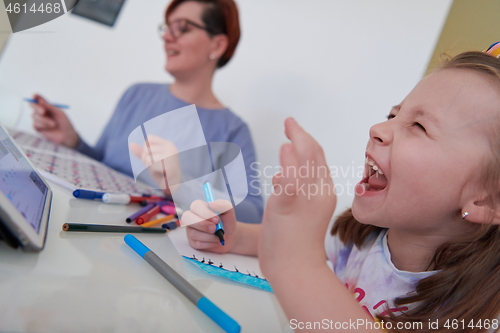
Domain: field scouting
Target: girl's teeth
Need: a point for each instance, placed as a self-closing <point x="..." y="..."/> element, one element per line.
<point x="373" y="165"/>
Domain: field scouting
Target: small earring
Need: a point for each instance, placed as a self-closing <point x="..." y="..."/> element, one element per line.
<point x="464" y="215"/>
<point x="211" y="57"/>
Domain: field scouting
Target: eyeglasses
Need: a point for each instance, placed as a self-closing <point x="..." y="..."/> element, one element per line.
<point x="180" y="27"/>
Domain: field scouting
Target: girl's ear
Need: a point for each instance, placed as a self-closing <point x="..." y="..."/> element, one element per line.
<point x="482" y="211"/>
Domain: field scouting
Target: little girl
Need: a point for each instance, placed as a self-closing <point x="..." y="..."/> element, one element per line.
<point x="420" y="250"/>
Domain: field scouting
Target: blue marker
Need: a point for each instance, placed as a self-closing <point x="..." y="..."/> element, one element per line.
<point x="170" y="225"/>
<point x="227" y="323"/>
<point x="209" y="197"/>
<point x="35" y="101"/>
<point x="85" y="194"/>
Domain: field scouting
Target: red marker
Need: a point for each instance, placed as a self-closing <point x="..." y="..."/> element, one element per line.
<point x="147" y="216"/>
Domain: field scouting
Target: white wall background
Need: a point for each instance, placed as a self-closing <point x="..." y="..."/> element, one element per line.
<point x="337" y="66"/>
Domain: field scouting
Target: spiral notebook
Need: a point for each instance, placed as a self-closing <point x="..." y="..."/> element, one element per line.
<point x="241" y="269"/>
<point x="74" y="170"/>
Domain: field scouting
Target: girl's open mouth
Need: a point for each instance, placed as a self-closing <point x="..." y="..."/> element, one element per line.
<point x="374" y="178"/>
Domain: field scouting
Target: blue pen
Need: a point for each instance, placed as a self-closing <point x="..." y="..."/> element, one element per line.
<point x="209" y="197"/>
<point x="85" y="194"/>
<point x="35" y="101"/>
<point x="227" y="323"/>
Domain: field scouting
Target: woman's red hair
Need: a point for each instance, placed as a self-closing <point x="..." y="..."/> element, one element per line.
<point x="220" y="16"/>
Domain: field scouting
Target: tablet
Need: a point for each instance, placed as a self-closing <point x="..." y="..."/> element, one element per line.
<point x="25" y="198"/>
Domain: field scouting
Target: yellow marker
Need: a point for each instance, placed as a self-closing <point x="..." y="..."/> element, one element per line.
<point x="157" y="221"/>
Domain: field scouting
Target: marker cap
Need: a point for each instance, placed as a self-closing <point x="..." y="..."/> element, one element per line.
<point x="227" y="323"/>
<point x="116" y="198"/>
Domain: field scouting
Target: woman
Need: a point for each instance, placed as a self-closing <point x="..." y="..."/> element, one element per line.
<point x="199" y="37"/>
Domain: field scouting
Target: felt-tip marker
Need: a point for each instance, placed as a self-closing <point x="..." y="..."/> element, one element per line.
<point x="171" y="225"/>
<point x="140" y="212"/>
<point x="209" y="197"/>
<point x="146" y="217"/>
<point x="109" y="228"/>
<point x="35" y="101"/>
<point x="227" y="323"/>
<point x="121" y="199"/>
<point x="86" y="194"/>
<point x="168" y="210"/>
<point x="158" y="221"/>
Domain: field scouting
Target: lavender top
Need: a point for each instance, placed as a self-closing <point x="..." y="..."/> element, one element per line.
<point x="141" y="102"/>
<point x="370" y="274"/>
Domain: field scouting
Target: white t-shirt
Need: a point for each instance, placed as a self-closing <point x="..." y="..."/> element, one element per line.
<point x="369" y="273"/>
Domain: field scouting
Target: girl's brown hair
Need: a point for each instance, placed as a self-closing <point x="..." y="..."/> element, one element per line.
<point x="466" y="288"/>
<point x="220" y="16"/>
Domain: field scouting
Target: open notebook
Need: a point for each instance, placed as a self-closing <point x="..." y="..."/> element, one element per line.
<point x="73" y="170"/>
<point x="238" y="268"/>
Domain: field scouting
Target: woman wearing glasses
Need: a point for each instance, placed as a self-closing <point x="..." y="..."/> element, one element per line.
<point x="199" y="36"/>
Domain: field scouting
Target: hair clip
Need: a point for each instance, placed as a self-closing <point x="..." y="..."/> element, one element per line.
<point x="493" y="49"/>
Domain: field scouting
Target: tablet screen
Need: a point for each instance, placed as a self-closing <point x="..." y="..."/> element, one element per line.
<point x="20" y="183"/>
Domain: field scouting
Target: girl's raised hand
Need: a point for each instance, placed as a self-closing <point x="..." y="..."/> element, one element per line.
<point x="299" y="210"/>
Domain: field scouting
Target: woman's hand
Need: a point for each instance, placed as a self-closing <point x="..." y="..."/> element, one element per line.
<point x="164" y="166"/>
<point x="299" y="210"/>
<point x="53" y="123"/>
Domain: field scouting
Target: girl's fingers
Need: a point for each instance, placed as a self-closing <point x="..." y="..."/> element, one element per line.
<point x="202" y="209"/>
<point x="221" y="206"/>
<point x="288" y="160"/>
<point x="196" y="222"/>
<point x="301" y="140"/>
<point x="191" y="219"/>
<point x="306" y="147"/>
<point x="201" y="240"/>
<point x="203" y="245"/>
<point x="199" y="213"/>
<point x="289" y="166"/>
<point x="200" y="233"/>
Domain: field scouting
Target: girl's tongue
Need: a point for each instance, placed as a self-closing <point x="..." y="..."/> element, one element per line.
<point x="377" y="181"/>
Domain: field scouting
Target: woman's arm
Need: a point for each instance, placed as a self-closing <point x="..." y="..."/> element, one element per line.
<point x="251" y="209"/>
<point x="113" y="126"/>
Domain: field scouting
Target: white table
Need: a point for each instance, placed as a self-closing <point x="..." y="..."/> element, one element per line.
<point x="93" y="282"/>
